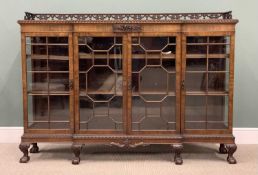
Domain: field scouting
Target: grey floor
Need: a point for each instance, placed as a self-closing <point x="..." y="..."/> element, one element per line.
<point x="154" y="159"/>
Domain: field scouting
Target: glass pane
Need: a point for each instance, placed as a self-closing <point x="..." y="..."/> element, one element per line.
<point x="116" y="65"/>
<point x="218" y="64"/>
<point x="169" y="49"/>
<point x="36" y="40"/>
<point x="218" y="81"/>
<point x="169" y="65"/>
<point x="39" y="50"/>
<point x="219" y="49"/>
<point x="38" y="112"/>
<point x="58" y="50"/>
<point x="219" y="39"/>
<point x="153" y="83"/>
<point x="37" y="82"/>
<point x="85" y="64"/>
<point x="153" y="79"/>
<point x="100" y="43"/>
<point x="138" y="64"/>
<point x="59" y="112"/>
<point x="137" y="49"/>
<point x="59" y="82"/>
<point x="58" y="40"/>
<point x="153" y="43"/>
<point x="196" y="64"/>
<point x="36" y="65"/>
<point x="195" y="112"/>
<point x="101" y="79"/>
<point x="172" y="82"/>
<point x="197" y="39"/>
<point x="58" y="65"/>
<point x="196" y="49"/>
<point x="101" y="83"/>
<point x="195" y="81"/>
<point x="217" y="112"/>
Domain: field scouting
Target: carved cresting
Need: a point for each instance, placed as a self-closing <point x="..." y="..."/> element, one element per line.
<point x="127" y="17"/>
<point x="127" y="28"/>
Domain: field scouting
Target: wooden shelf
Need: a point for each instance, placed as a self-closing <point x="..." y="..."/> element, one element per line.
<point x="205" y="56"/>
<point x="99" y="56"/>
<point x="84" y="92"/>
<point x="50" y="57"/>
<point x="224" y="93"/>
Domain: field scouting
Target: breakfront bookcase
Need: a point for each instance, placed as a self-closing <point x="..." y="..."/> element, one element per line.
<point x="128" y="80"/>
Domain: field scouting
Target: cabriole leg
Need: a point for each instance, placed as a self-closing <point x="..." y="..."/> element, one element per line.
<point x="24" y="148"/>
<point x="76" y="148"/>
<point x="178" y="148"/>
<point x="34" y="148"/>
<point x="223" y="149"/>
<point x="231" y="150"/>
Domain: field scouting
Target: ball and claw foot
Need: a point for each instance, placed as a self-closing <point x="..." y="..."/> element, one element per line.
<point x="76" y="160"/>
<point x="178" y="150"/>
<point x="231" y="150"/>
<point x="223" y="149"/>
<point x="34" y="148"/>
<point x="24" y="148"/>
<point x="76" y="148"/>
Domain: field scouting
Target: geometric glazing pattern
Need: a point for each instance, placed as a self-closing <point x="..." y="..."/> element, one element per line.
<point x="100" y="83"/>
<point x="153" y="83"/>
<point x="206" y="82"/>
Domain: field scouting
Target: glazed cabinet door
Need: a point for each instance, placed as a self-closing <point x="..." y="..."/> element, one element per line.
<point x="154" y="88"/>
<point x="47" y="81"/>
<point x="99" y="65"/>
<point x="208" y="83"/>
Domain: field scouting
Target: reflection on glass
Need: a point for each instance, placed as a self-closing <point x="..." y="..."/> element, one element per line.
<point x="217" y="112"/>
<point x="218" y="82"/>
<point x="170" y="49"/>
<point x="196" y="64"/>
<point x="195" y="112"/>
<point x="195" y="81"/>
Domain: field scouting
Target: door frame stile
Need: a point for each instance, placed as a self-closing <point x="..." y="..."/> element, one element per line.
<point x="76" y="83"/>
